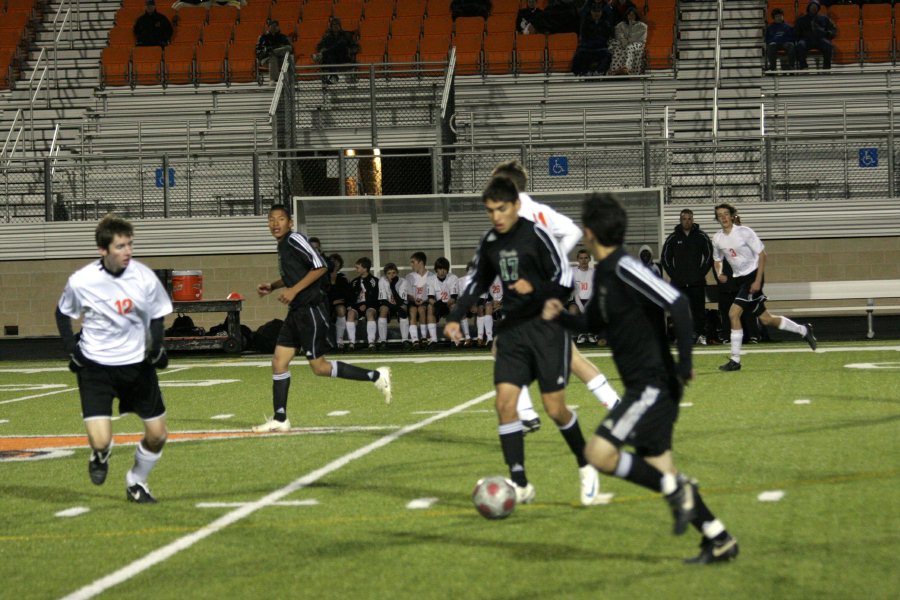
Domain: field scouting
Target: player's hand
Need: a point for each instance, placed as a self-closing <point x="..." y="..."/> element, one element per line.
<point x="453" y="332"/>
<point x="723" y="278"/>
<point x="755" y="287"/>
<point x="552" y="308"/>
<point x="77" y="360"/>
<point x="287" y="296"/>
<point x="521" y="286"/>
<point x="158" y="358"/>
<point x="264" y="289"/>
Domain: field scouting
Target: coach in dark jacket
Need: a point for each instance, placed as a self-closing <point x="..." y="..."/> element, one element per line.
<point x="814" y="31"/>
<point x="687" y="258"/>
<point x="152" y="28"/>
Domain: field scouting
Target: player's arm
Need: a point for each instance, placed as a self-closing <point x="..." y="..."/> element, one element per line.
<point x="566" y="233"/>
<point x="290" y="293"/>
<point x="707" y="262"/>
<point x="157" y="355"/>
<point x="479" y="282"/>
<point x="264" y="289"/>
<point x="760" y="271"/>
<point x="666" y="256"/>
<point x="558" y="282"/>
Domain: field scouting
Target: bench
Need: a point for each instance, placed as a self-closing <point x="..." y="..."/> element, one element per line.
<point x="861" y="295"/>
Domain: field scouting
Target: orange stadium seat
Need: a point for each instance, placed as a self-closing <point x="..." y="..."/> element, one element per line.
<point x="304" y="48"/>
<point x="498" y="53"/>
<point x="371" y="50"/>
<point x="504" y="7"/>
<point x="255" y="11"/>
<point x="248" y="32"/>
<point x="179" y="64"/>
<point x="530" y="53"/>
<point x="349" y="12"/>
<point x="210" y="64"/>
<point x="218" y="33"/>
<point x="469" y="25"/>
<point x="17" y="21"/>
<point x="437" y="26"/>
<point x="285" y="13"/>
<point x="11" y="38"/>
<point x="877" y="12"/>
<point x="115" y="65"/>
<point x="401" y="51"/>
<point x="846" y="50"/>
<point x="121" y="36"/>
<point x="222" y="14"/>
<point x="438" y="8"/>
<point x="501" y="23"/>
<point x="192" y="15"/>
<point x="842" y="12"/>
<point x="468" y="53"/>
<point x="378" y="27"/>
<point x="187" y="33"/>
<point x="406" y="26"/>
<point x="788" y="6"/>
<point x="312" y="29"/>
<point x="379" y="8"/>
<point x="877" y="33"/>
<point x="316" y="10"/>
<point x="242" y="63"/>
<point x="660" y="39"/>
<point x="560" y="50"/>
<point x="6" y="67"/>
<point x="434" y="47"/>
<point x="411" y="8"/>
<point x="146" y="65"/>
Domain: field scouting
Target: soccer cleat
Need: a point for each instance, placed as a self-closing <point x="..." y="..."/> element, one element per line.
<point x="382" y="346"/>
<point x="525" y="495"/>
<point x="271" y="425"/>
<point x="98" y="466"/>
<point x="809" y="337"/>
<point x="383" y="383"/>
<point x="713" y="551"/>
<point x="530" y="425"/>
<point x="140" y="494"/>
<point x="467" y="343"/>
<point x="372" y="347"/>
<point x="581" y="339"/>
<point x="701" y="340"/>
<point x="730" y="366"/>
<point x="590" y="487"/>
<point x="681" y="501"/>
<point x="350" y="347"/>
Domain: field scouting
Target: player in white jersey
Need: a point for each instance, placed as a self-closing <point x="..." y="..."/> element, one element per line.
<point x="567" y="234"/>
<point x="746" y="255"/>
<point x="583" y="277"/>
<point x="441" y="295"/>
<point x="419" y="282"/>
<point x="393" y="293"/>
<point x="121" y="304"/>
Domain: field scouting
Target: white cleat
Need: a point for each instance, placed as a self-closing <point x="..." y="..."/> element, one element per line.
<point x="524" y="495"/>
<point x="271" y="425"/>
<point x="590" y="487"/>
<point x="383" y="383"/>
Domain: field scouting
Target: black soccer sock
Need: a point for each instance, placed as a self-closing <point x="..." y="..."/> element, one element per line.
<point x="704" y="515"/>
<point x="571" y="432"/>
<point x="342" y="370"/>
<point x="637" y="470"/>
<point x="281" y="383"/>
<point x="512" y="441"/>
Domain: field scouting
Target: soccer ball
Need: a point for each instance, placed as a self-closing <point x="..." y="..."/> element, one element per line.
<point x="494" y="497"/>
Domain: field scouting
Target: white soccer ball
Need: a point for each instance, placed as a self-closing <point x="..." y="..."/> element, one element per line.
<point x="494" y="497"/>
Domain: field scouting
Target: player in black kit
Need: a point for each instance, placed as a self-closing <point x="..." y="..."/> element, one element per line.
<point x="628" y="301"/>
<point x="306" y="325"/>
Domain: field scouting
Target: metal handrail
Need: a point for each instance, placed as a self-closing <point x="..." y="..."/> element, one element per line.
<point x="451" y="68"/>
<point x="54" y="150"/>
<point x="10" y="133"/>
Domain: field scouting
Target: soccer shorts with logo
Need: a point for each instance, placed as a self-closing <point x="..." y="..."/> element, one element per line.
<point x="534" y="349"/>
<point x="307" y="328"/>
<point x="136" y="386"/>
<point x="754" y="303"/>
<point x="644" y="419"/>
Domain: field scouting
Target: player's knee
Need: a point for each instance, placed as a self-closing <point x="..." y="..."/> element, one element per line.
<point x="557" y="410"/>
<point x="322" y="368"/>
<point x="603" y="455"/>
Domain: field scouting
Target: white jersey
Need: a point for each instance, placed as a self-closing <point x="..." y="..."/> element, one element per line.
<point x="115" y="312"/>
<point x="385" y="294"/>
<point x="443" y="291"/>
<point x="563" y="229"/>
<point x="584" y="283"/>
<point x="741" y="248"/>
<point x="420" y="284"/>
<point x="496" y="290"/>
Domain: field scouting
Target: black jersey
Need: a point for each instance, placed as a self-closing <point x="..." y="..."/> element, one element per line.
<point x="628" y="302"/>
<point x="296" y="258"/>
<point x="527" y="251"/>
<point x="339" y="291"/>
<point x="365" y="291"/>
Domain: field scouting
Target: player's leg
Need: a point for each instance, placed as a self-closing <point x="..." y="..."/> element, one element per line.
<point x="96" y="392"/>
<point x="488" y="321"/>
<point x="371" y="327"/>
<point x="281" y="386"/>
<point x="432" y="319"/>
<point x="99" y="432"/>
<point x="383" y="313"/>
<point x="512" y="440"/>
<point x="340" y="324"/>
<point x="414" y="325"/>
<point x="403" y="319"/>
<point x="785" y="324"/>
<point x="140" y="391"/>
<point x="479" y="324"/>
<point x="423" y="322"/>
<point x="737" y="338"/>
<point x="352" y="318"/>
<point x="531" y="421"/>
<point x="595" y="381"/>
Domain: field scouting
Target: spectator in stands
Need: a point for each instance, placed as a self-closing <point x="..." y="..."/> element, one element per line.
<point x="60" y="212"/>
<point x="152" y="28"/>
<point x="337" y="47"/>
<point x="622" y="7"/>
<point x="526" y="17"/>
<point x="814" y="32"/>
<point x="779" y="36"/>
<point x="687" y="259"/>
<point x="470" y="8"/>
<point x="272" y="47"/>
<point x="592" y="54"/>
<point x="560" y="16"/>
<point x="628" y="45"/>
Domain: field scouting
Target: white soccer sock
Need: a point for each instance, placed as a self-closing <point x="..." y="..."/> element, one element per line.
<point x="423" y="331"/>
<point x="737" y="339"/>
<point x="340" y="325"/>
<point x="351" y="331"/>
<point x="144" y="461"/>
<point x="525" y="407"/>
<point x="713" y="528"/>
<point x="488" y="327"/>
<point x="432" y="331"/>
<point x="464" y="325"/>
<point x="599" y="386"/>
<point x="414" y="333"/>
<point x="479" y="324"/>
<point x="371" y="327"/>
<point x="788" y="325"/>
<point x="404" y="329"/>
<point x="382" y="329"/>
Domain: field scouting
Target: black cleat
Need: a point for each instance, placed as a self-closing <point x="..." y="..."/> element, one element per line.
<point x="98" y="466"/>
<point x="809" y="337"/>
<point x="682" y="503"/>
<point x="531" y="425"/>
<point x="140" y="493"/>
<point x="730" y="366"/>
<point x="712" y="551"/>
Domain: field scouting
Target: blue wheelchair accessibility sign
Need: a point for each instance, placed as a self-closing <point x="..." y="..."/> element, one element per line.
<point x="159" y="177"/>
<point x="868" y="158"/>
<point x="559" y="166"/>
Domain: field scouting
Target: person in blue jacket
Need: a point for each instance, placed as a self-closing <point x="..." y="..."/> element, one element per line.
<point x="780" y="36"/>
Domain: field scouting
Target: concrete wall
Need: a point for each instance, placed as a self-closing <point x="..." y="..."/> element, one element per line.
<point x="31" y="289"/>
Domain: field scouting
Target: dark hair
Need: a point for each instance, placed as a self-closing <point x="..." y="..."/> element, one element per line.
<point x="731" y="210"/>
<point x="582" y="251"/>
<point x="365" y="262"/>
<point x="604" y="216"/>
<point x="338" y="261"/>
<point x="500" y="189"/>
<point x="315" y="240"/>
<point x="441" y="263"/>
<point x="419" y="256"/>
<point x="390" y="267"/>
<point x="686" y="210"/>
<point x="515" y="171"/>
<point x="281" y="207"/>
<point x="110" y="227"/>
<point x="777" y="11"/>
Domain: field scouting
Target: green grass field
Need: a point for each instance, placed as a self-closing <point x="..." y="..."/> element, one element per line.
<point x="358" y="463"/>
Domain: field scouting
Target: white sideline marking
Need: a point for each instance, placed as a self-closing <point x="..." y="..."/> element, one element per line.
<point x="72" y="512"/>
<point x="881" y="365"/>
<point x="195" y="382"/>
<point x="802" y="401"/>
<point x="686" y="404"/>
<point x="770" y="496"/>
<point x="338" y="413"/>
<point x="437" y="412"/>
<point x="39" y="395"/>
<point x="29" y="387"/>
<point x="421" y="503"/>
<point x="220" y="417"/>
<point x="2" y="421"/>
<point x="310" y="502"/>
<point x="183" y="543"/>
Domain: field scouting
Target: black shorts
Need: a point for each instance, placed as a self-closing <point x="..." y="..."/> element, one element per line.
<point x="136" y="386"/>
<point x="750" y="302"/>
<point x="643" y="419"/>
<point x="441" y="310"/>
<point x="536" y="349"/>
<point x="307" y="328"/>
<point x="361" y="309"/>
<point x="396" y="311"/>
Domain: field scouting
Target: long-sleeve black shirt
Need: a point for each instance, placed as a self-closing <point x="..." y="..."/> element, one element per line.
<point x="527" y="251"/>
<point x="687" y="258"/>
<point x="628" y="301"/>
<point x="296" y="258"/>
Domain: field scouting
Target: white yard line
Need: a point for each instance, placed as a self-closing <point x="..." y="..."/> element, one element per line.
<point x="73" y="389"/>
<point x="183" y="543"/>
